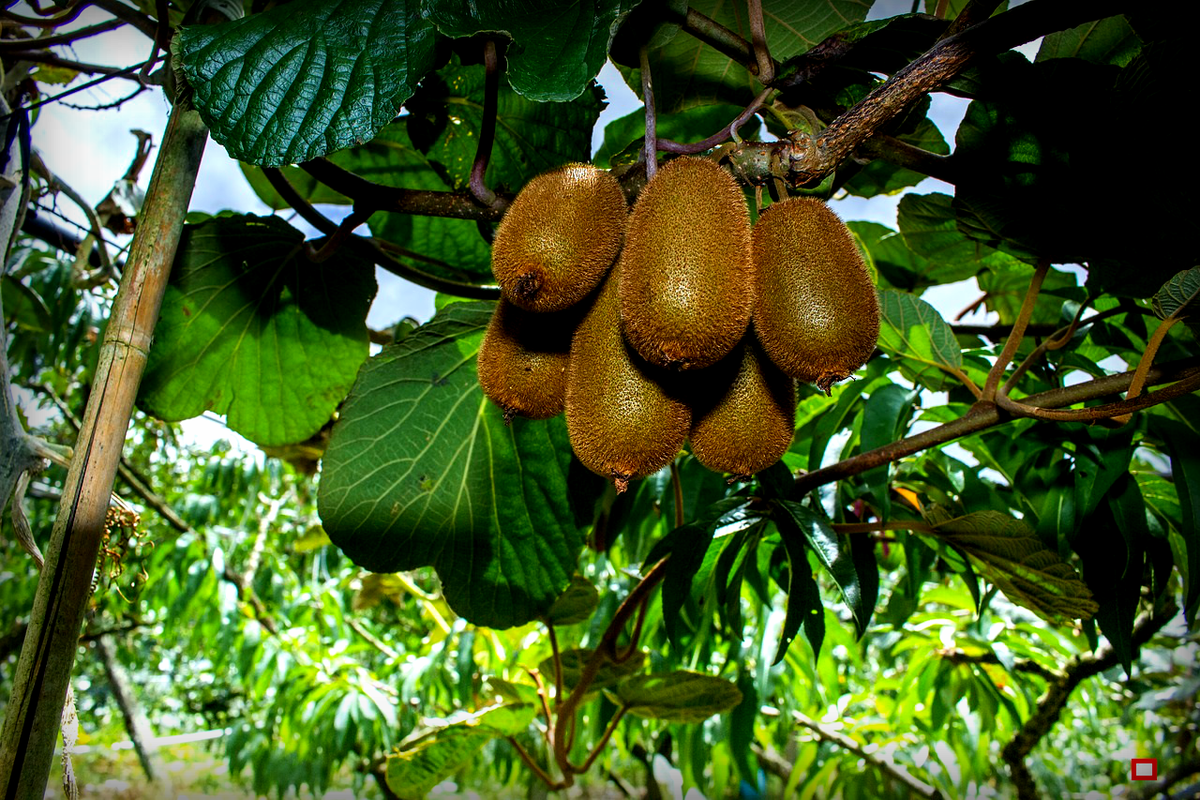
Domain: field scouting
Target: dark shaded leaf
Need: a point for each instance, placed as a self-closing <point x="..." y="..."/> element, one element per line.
<point x="608" y="675"/>
<point x="252" y="329"/>
<point x="1111" y="40"/>
<point x="795" y="520"/>
<point x="556" y="48"/>
<point x="804" y="605"/>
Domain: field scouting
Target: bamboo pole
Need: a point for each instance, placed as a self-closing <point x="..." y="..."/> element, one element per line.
<point x="48" y="655"/>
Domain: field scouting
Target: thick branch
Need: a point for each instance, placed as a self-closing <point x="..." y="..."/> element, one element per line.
<point x="808" y="161"/>
<point x="896" y="771"/>
<point x="987" y="415"/>
<point x="1051" y="703"/>
<point x="9" y="45"/>
<point x="49" y="59"/>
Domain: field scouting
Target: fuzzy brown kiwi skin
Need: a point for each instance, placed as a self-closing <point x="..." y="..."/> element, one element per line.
<point x="623" y="417"/>
<point x="686" y="272"/>
<point x="523" y="360"/>
<point x="745" y="416"/>
<point x="559" y="237"/>
<point x="816" y="312"/>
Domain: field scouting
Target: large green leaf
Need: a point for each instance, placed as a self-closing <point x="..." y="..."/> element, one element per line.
<point x="608" y="675"/>
<point x="679" y="696"/>
<point x="556" y="47"/>
<point x="1012" y="556"/>
<point x="914" y="333"/>
<point x="252" y="329"/>
<point x="1111" y="40"/>
<point x="688" y="73"/>
<point x="795" y="520"/>
<point x="421" y="470"/>
<point x="305" y="185"/>
<point x="446" y="116"/>
<point x="303" y="80"/>
<point x="574" y="605"/>
<point x="1185" y="469"/>
<point x="885" y="418"/>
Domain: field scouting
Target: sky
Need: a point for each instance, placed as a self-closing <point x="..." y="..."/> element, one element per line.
<point x="89" y="150"/>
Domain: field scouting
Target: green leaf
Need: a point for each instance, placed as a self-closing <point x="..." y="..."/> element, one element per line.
<point x="574" y="605"/>
<point x="680" y="696"/>
<point x="1185" y="470"/>
<point x="609" y="674"/>
<point x="1006" y="284"/>
<point x="689" y="73"/>
<point x="915" y="333"/>
<point x="23" y="306"/>
<point x="894" y="261"/>
<point x="884" y="416"/>
<point x="252" y="329"/>
<point x="1012" y="556"/>
<point x="446" y="117"/>
<point x="1103" y="41"/>
<point x="1101" y="458"/>
<point x="303" y="80"/>
<point x="623" y="136"/>
<point x="687" y="546"/>
<point x="421" y="470"/>
<point x="436" y="755"/>
<point x="742" y="725"/>
<point x="556" y="48"/>
<point x="794" y="520"/>
<point x="804" y="605"/>
<point x="1178" y="298"/>
<point x="930" y="228"/>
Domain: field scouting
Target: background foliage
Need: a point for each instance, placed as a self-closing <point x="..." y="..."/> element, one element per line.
<point x="875" y="616"/>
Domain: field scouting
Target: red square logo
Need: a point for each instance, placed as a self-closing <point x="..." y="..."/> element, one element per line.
<point x="1143" y="769"/>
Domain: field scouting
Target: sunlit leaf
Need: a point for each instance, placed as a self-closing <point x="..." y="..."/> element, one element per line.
<point x="915" y="333"/>
<point x="679" y="696"/>
<point x="1011" y="555"/>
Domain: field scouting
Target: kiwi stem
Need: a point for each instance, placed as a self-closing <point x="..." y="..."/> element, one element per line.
<point x="650" y="148"/>
<point x="1156" y="340"/>
<point x="606" y="650"/>
<point x="758" y="35"/>
<point x="1056" y="341"/>
<point x="720" y="38"/>
<point x="542" y="775"/>
<point x="557" y="654"/>
<point x="340" y="236"/>
<point x="372" y="250"/>
<point x="982" y="416"/>
<point x="1018" y="332"/>
<point x="487" y="127"/>
<point x="692" y="148"/>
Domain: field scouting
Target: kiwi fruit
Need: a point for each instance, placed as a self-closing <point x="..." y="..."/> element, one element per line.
<point x="816" y="312"/>
<point x="686" y="284"/>
<point x="523" y="360"/>
<point x="559" y="237"/>
<point x="622" y="419"/>
<point x="744" y="421"/>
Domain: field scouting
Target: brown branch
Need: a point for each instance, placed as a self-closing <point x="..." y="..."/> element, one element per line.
<point x="903" y="154"/>
<point x="975" y="12"/>
<point x="50" y="21"/>
<point x="920" y="788"/>
<point x="51" y="60"/>
<point x="1107" y="411"/>
<point x="376" y="196"/>
<point x="809" y="160"/>
<point x="1050" y="705"/>
<point x="1023" y="665"/>
<point x="986" y="415"/>
<point x="721" y="39"/>
<point x="8" y="45"/>
<point x="758" y="170"/>
<point x="758" y="35"/>
<point x="131" y="15"/>
<point x="650" y="143"/>
<point x="1018" y="332"/>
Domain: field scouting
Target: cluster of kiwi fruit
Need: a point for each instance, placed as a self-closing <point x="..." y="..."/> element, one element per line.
<point x="674" y="321"/>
